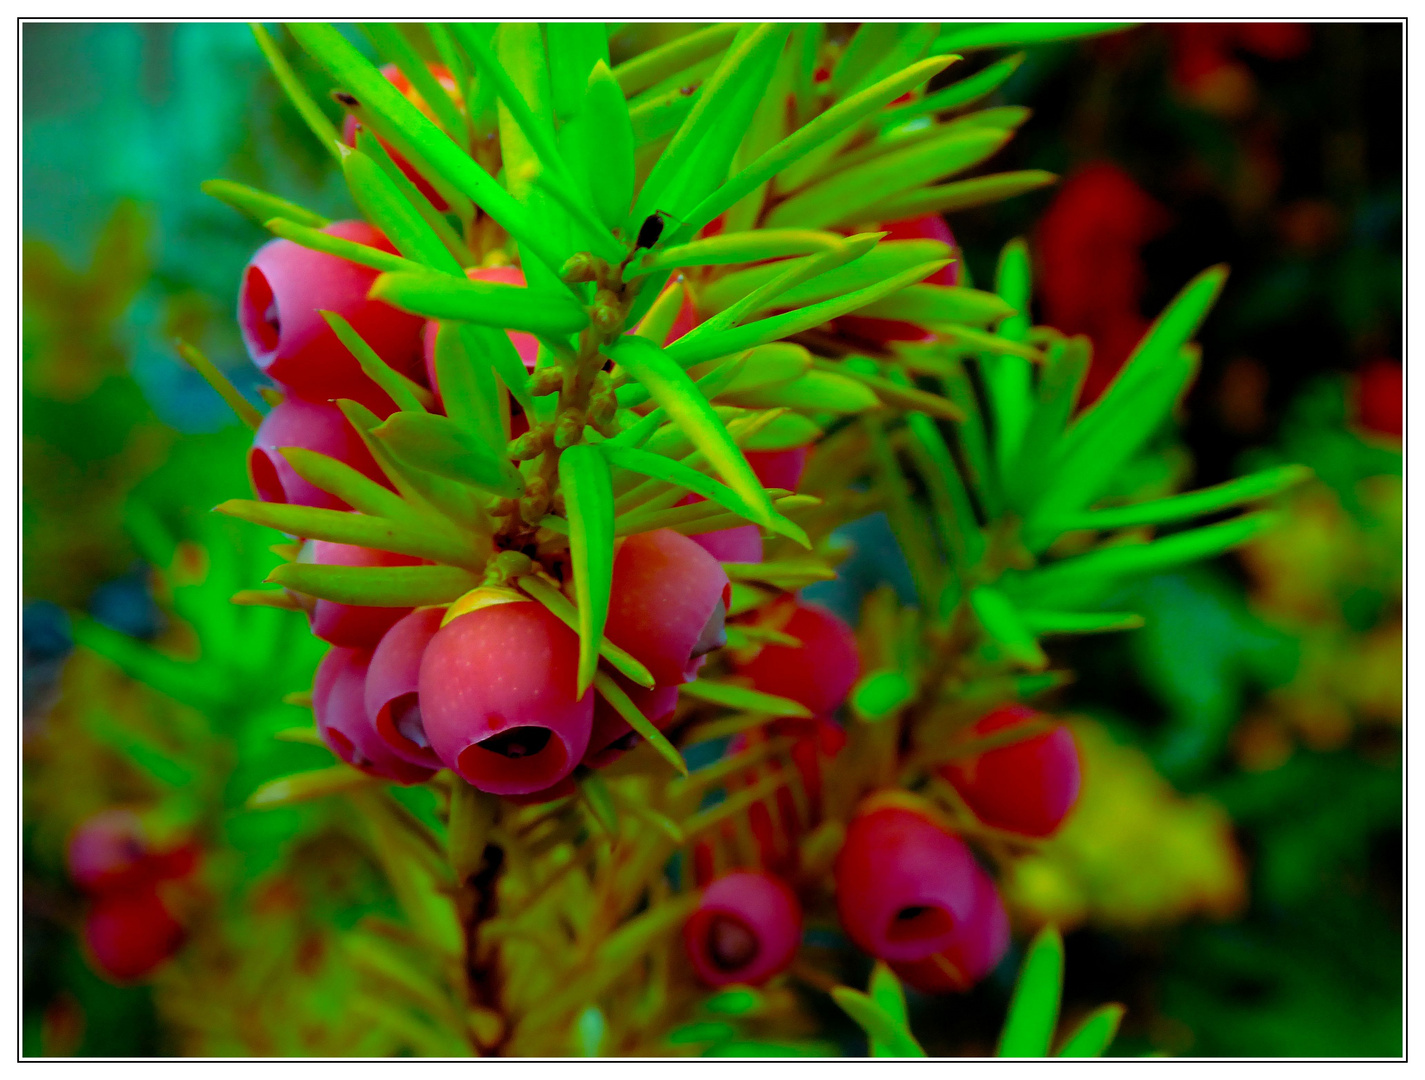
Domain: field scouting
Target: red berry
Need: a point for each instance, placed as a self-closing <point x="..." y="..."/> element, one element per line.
<point x="109" y="851"/>
<point x="612" y="736"/>
<point x="392" y="693"/>
<point x="1026" y="787"/>
<point x="1379" y="394"/>
<point x="497" y="698"/>
<point x="818" y="674"/>
<point x="527" y="345"/>
<point x="904" y="885"/>
<point x="401" y="83"/>
<point x="338" y="701"/>
<point x="283" y="289"/>
<point x="740" y="544"/>
<point x="130" y="933"/>
<point x="779" y="468"/>
<point x="979" y="945"/>
<point x="745" y="930"/>
<point x="313" y="426"/>
<point x="354" y="626"/>
<point x="668" y="604"/>
<point x="561" y="790"/>
<point x="925" y="227"/>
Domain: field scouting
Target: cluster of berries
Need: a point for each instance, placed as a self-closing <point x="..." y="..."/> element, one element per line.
<point x="132" y="925"/>
<point x="908" y="889"/>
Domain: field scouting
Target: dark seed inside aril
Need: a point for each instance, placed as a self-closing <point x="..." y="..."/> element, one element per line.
<point x="517" y="742"/>
<point x="731" y="945"/>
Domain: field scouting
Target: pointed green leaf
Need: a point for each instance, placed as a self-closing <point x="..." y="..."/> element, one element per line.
<point x="687" y="352"/>
<point x="588" y="494"/>
<point x="657" y="118"/>
<point x="894" y="1039"/>
<point x="885" y="991"/>
<point x="841" y="117"/>
<point x="845" y="196"/>
<point x="993" y="35"/>
<point x="727" y="249"/>
<point x="1034" y="1009"/>
<point x="1008" y="378"/>
<point x="391" y="42"/>
<point x="880" y="694"/>
<point x="200" y="363"/>
<point x="959" y="528"/>
<point x="369" y="145"/>
<point x="1093" y="1036"/>
<point x="963" y="92"/>
<point x="350" y="250"/>
<point x="785" y="432"/>
<point x="815" y="392"/>
<point x="1003" y="624"/>
<point x="624" y="706"/>
<point x="406" y="393"/>
<point x="310" y="111"/>
<point x="1191" y="504"/>
<point x="659" y="63"/>
<point x="507" y="306"/>
<point x="895" y="393"/>
<point x="601" y="139"/>
<point x="467" y="384"/>
<point x="385" y="207"/>
<point x="377" y="586"/>
<point x="259" y="205"/>
<point x="415" y="538"/>
<point x="675" y="472"/>
<point x="561" y="607"/>
<point x="1077" y="622"/>
<point x="959" y="195"/>
<point x="732" y="696"/>
<point x="675" y="393"/>
<point x="338" y="478"/>
<point x="767" y="365"/>
<point x="437" y="445"/>
<point x="1085" y="578"/>
<point x="317" y="784"/>
<point x="1065" y="365"/>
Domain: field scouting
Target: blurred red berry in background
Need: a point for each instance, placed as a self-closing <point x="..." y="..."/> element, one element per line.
<point x="746" y="929"/>
<point x="1378" y="396"/>
<point x="820" y="672"/>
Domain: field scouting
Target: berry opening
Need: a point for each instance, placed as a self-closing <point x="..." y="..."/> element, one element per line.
<point x="515" y="761"/>
<point x="261" y="321"/>
<point x="731" y="943"/>
<point x="401" y="717"/>
<point x="343" y="747"/>
<point x="266" y="481"/>
<point x="919" y="922"/>
<point x="713" y="634"/>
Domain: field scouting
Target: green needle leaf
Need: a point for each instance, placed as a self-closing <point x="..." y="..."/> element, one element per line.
<point x="1034" y="1009"/>
<point x="259" y="205"/>
<point x="601" y="142"/>
<point x="561" y="607"/>
<point x="994" y="35"/>
<point x="959" y="195"/>
<point x="732" y="696"/>
<point x="377" y="586"/>
<point x="404" y="392"/>
<point x="317" y="784"/>
<point x="385" y="207"/>
<point x="437" y="445"/>
<point x="657" y="64"/>
<point x="415" y="538"/>
<point x="200" y="363"/>
<point x="671" y="388"/>
<point x="310" y="111"/>
<point x="1001" y="621"/>
<point x="350" y="250"/>
<point x="507" y="306"/>
<point x="338" y="478"/>
<point x="624" y="706"/>
<point x="957" y="94"/>
<point x="589" y="497"/>
<point x="1093" y="1036"/>
<point x="890" y="1038"/>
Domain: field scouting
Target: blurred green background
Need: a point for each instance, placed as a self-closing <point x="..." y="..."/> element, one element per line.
<point x="1256" y="720"/>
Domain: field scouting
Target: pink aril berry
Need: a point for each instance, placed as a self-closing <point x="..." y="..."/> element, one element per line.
<point x="904" y="885"/>
<point x="926" y="227"/>
<point x="740" y="544"/>
<point x="108" y="851"/>
<point x="820" y="672"/>
<point x="527" y="345"/>
<point x="284" y="289"/>
<point x="979" y="944"/>
<point x="745" y="930"/>
<point x="314" y="426"/>
<point x="339" y="704"/>
<point x="131" y="932"/>
<point x="668" y="605"/>
<point x="353" y="626"/>
<point x="401" y="83"/>
<point x="392" y="693"/>
<point x="612" y="737"/>
<point x="497" y="694"/>
<point x="779" y="468"/>
<point x="1026" y="787"/>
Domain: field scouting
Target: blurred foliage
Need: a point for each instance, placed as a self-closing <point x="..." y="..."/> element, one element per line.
<point x="1212" y="737"/>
